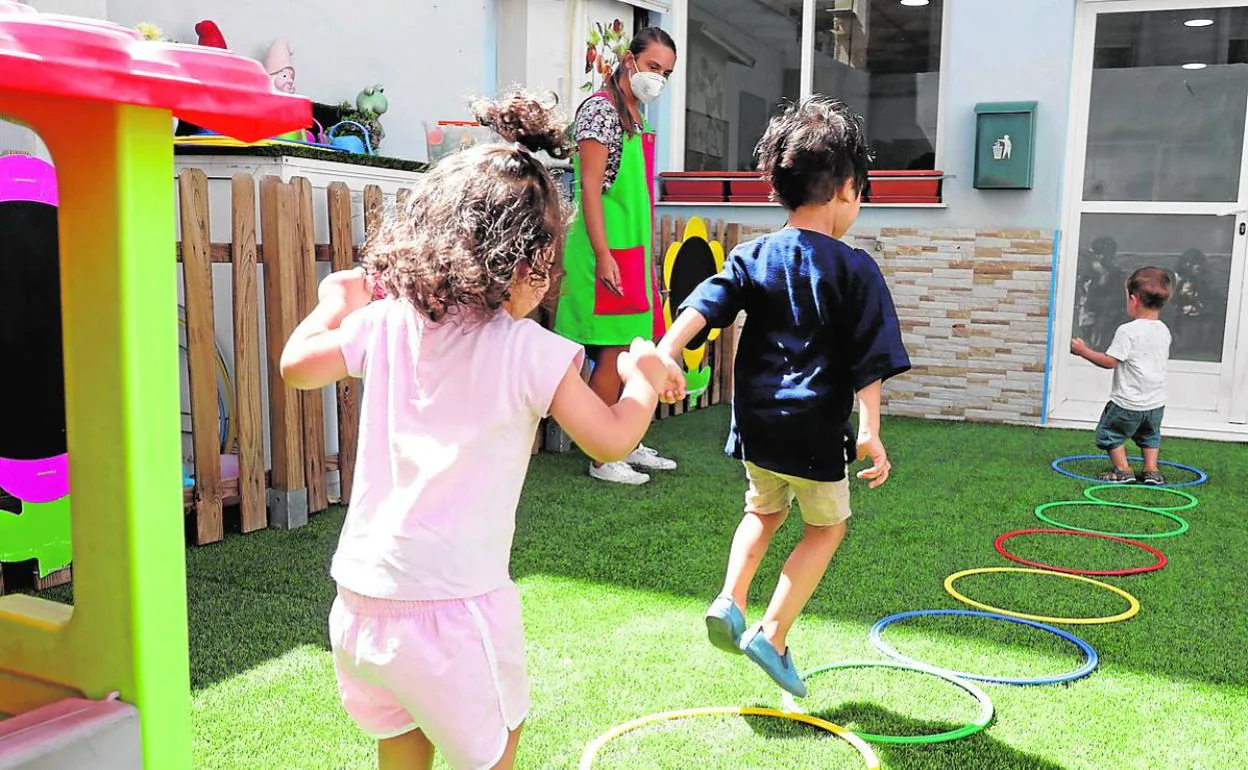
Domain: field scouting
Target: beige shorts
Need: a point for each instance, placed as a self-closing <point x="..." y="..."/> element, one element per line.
<point x="822" y="503"/>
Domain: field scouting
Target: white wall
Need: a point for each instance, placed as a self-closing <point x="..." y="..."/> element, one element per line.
<point x="542" y="43"/>
<point x="429" y="55"/>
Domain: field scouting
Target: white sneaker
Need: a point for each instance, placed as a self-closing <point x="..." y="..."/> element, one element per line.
<point x="645" y="457"/>
<point x="617" y="473"/>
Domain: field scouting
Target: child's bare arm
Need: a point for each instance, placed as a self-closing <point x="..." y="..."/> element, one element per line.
<point x="869" y="443"/>
<point x="609" y="433"/>
<point x="313" y="356"/>
<point x="686" y="327"/>
<point x="1103" y="360"/>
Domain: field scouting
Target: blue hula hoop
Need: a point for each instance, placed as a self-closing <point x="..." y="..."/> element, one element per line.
<point x="1201" y="476"/>
<point x="1091" y="659"/>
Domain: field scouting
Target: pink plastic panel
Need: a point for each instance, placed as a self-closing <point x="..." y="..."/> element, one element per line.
<point x="26" y="178"/>
<point x="36" y="481"/>
<point x="98" y="61"/>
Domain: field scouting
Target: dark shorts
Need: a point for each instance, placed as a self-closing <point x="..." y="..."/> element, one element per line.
<point x="1118" y="424"/>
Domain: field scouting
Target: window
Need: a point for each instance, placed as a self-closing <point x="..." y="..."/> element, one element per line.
<point x="744" y="63"/>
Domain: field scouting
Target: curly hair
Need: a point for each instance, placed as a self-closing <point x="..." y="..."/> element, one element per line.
<point x="810" y="151"/>
<point x="455" y="247"/>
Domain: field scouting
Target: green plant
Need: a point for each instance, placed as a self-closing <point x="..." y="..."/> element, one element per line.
<point x="604" y="48"/>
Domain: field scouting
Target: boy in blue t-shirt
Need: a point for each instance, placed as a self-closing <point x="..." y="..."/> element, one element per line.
<point x="820" y="331"/>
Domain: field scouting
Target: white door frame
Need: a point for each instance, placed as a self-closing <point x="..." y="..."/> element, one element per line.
<point x="1073" y="207"/>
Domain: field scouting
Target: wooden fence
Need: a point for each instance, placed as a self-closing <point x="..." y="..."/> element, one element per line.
<point x="297" y="483"/>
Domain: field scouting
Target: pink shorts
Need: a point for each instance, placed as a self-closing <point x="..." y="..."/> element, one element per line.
<point x="454" y="669"/>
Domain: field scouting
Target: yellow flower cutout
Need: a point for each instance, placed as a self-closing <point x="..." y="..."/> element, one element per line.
<point x="688" y="262"/>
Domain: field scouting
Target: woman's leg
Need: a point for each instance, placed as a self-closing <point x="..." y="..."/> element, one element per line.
<point x="605" y="379"/>
<point x="409" y="751"/>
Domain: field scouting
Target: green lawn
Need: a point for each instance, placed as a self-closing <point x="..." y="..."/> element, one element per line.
<point x="615" y="581"/>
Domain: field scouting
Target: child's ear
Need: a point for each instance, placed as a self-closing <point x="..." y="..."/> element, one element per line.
<point x="849" y="192"/>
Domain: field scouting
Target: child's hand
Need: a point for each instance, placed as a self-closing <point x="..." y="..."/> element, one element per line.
<point x="1078" y="346"/>
<point x="878" y="472"/>
<point x="643" y="360"/>
<point x="674" y="388"/>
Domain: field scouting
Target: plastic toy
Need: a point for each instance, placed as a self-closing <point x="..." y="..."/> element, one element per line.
<point x="34" y="467"/>
<point x="350" y="142"/>
<point x="125" y="632"/>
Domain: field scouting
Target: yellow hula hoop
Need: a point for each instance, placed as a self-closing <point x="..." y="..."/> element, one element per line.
<point x="591" y="751"/>
<point x="1130" y="612"/>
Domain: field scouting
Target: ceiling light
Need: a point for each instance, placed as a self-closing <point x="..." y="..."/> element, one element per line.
<point x="1195" y="65"/>
<point x="915" y="3"/>
<point x="1198" y="23"/>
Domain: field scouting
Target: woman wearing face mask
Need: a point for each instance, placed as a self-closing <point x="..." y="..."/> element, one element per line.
<point x="609" y="295"/>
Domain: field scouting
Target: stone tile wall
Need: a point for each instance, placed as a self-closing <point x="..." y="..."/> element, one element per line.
<point x="974" y="308"/>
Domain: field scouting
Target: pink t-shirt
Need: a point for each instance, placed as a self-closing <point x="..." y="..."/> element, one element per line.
<point x="448" y="414"/>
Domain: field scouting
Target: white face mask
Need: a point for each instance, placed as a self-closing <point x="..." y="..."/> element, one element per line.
<point x="647" y="85"/>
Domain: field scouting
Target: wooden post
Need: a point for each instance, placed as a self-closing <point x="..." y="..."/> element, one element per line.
<point x="200" y="353"/>
<point x="288" y="495"/>
<point x="312" y="401"/>
<point x="252" y="507"/>
<point x="662" y="241"/>
<point x="374" y="209"/>
<point x="342" y="257"/>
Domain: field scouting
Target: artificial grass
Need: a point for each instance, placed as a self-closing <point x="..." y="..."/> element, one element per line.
<point x="615" y="580"/>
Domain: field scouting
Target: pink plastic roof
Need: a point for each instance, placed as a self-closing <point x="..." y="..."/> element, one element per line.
<point x="79" y="58"/>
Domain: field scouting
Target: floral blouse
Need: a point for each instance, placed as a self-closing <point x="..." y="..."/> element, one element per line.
<point x="598" y="120"/>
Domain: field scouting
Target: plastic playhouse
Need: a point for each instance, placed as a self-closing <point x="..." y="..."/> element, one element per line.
<point x="105" y="684"/>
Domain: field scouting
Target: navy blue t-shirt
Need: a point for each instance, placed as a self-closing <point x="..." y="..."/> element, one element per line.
<point x="820" y="325"/>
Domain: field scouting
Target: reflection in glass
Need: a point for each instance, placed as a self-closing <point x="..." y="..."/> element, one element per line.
<point x="1196" y="250"/>
<point x="883" y="59"/>
<point x="1160" y="131"/>
<point x="744" y="62"/>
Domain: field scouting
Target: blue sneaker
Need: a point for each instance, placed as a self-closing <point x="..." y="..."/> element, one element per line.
<point x="779" y="667"/>
<point x="725" y="624"/>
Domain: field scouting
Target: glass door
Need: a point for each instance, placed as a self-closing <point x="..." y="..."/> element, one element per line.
<point x="1157" y="178"/>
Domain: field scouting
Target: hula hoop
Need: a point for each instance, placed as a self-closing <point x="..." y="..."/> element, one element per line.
<point x="591" y="751"/>
<point x="1201" y="476"/>
<point x="1183" y="525"/>
<point x="1089" y="664"/>
<point x="999" y="544"/>
<point x="982" y="721"/>
<point x="1192" y="502"/>
<point x="1130" y="612"/>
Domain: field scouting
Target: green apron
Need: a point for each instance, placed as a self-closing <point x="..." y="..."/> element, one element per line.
<point x="587" y="313"/>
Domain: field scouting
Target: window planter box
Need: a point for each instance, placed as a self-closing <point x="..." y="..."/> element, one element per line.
<point x="694" y="186"/>
<point x="905" y="186"/>
<point x="896" y="187"/>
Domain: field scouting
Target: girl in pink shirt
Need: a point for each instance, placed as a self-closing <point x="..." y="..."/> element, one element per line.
<point x="426" y="632"/>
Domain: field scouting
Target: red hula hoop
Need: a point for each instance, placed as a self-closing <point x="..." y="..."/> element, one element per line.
<point x="999" y="544"/>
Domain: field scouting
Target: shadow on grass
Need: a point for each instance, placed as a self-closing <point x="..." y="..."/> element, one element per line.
<point x="976" y="752"/>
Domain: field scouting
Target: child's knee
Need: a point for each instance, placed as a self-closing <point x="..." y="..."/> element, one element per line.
<point x="773" y="520"/>
<point x="832" y="534"/>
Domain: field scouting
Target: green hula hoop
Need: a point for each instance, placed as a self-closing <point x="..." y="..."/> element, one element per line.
<point x="982" y="721"/>
<point x="1191" y="499"/>
<point x="1183" y="525"/>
